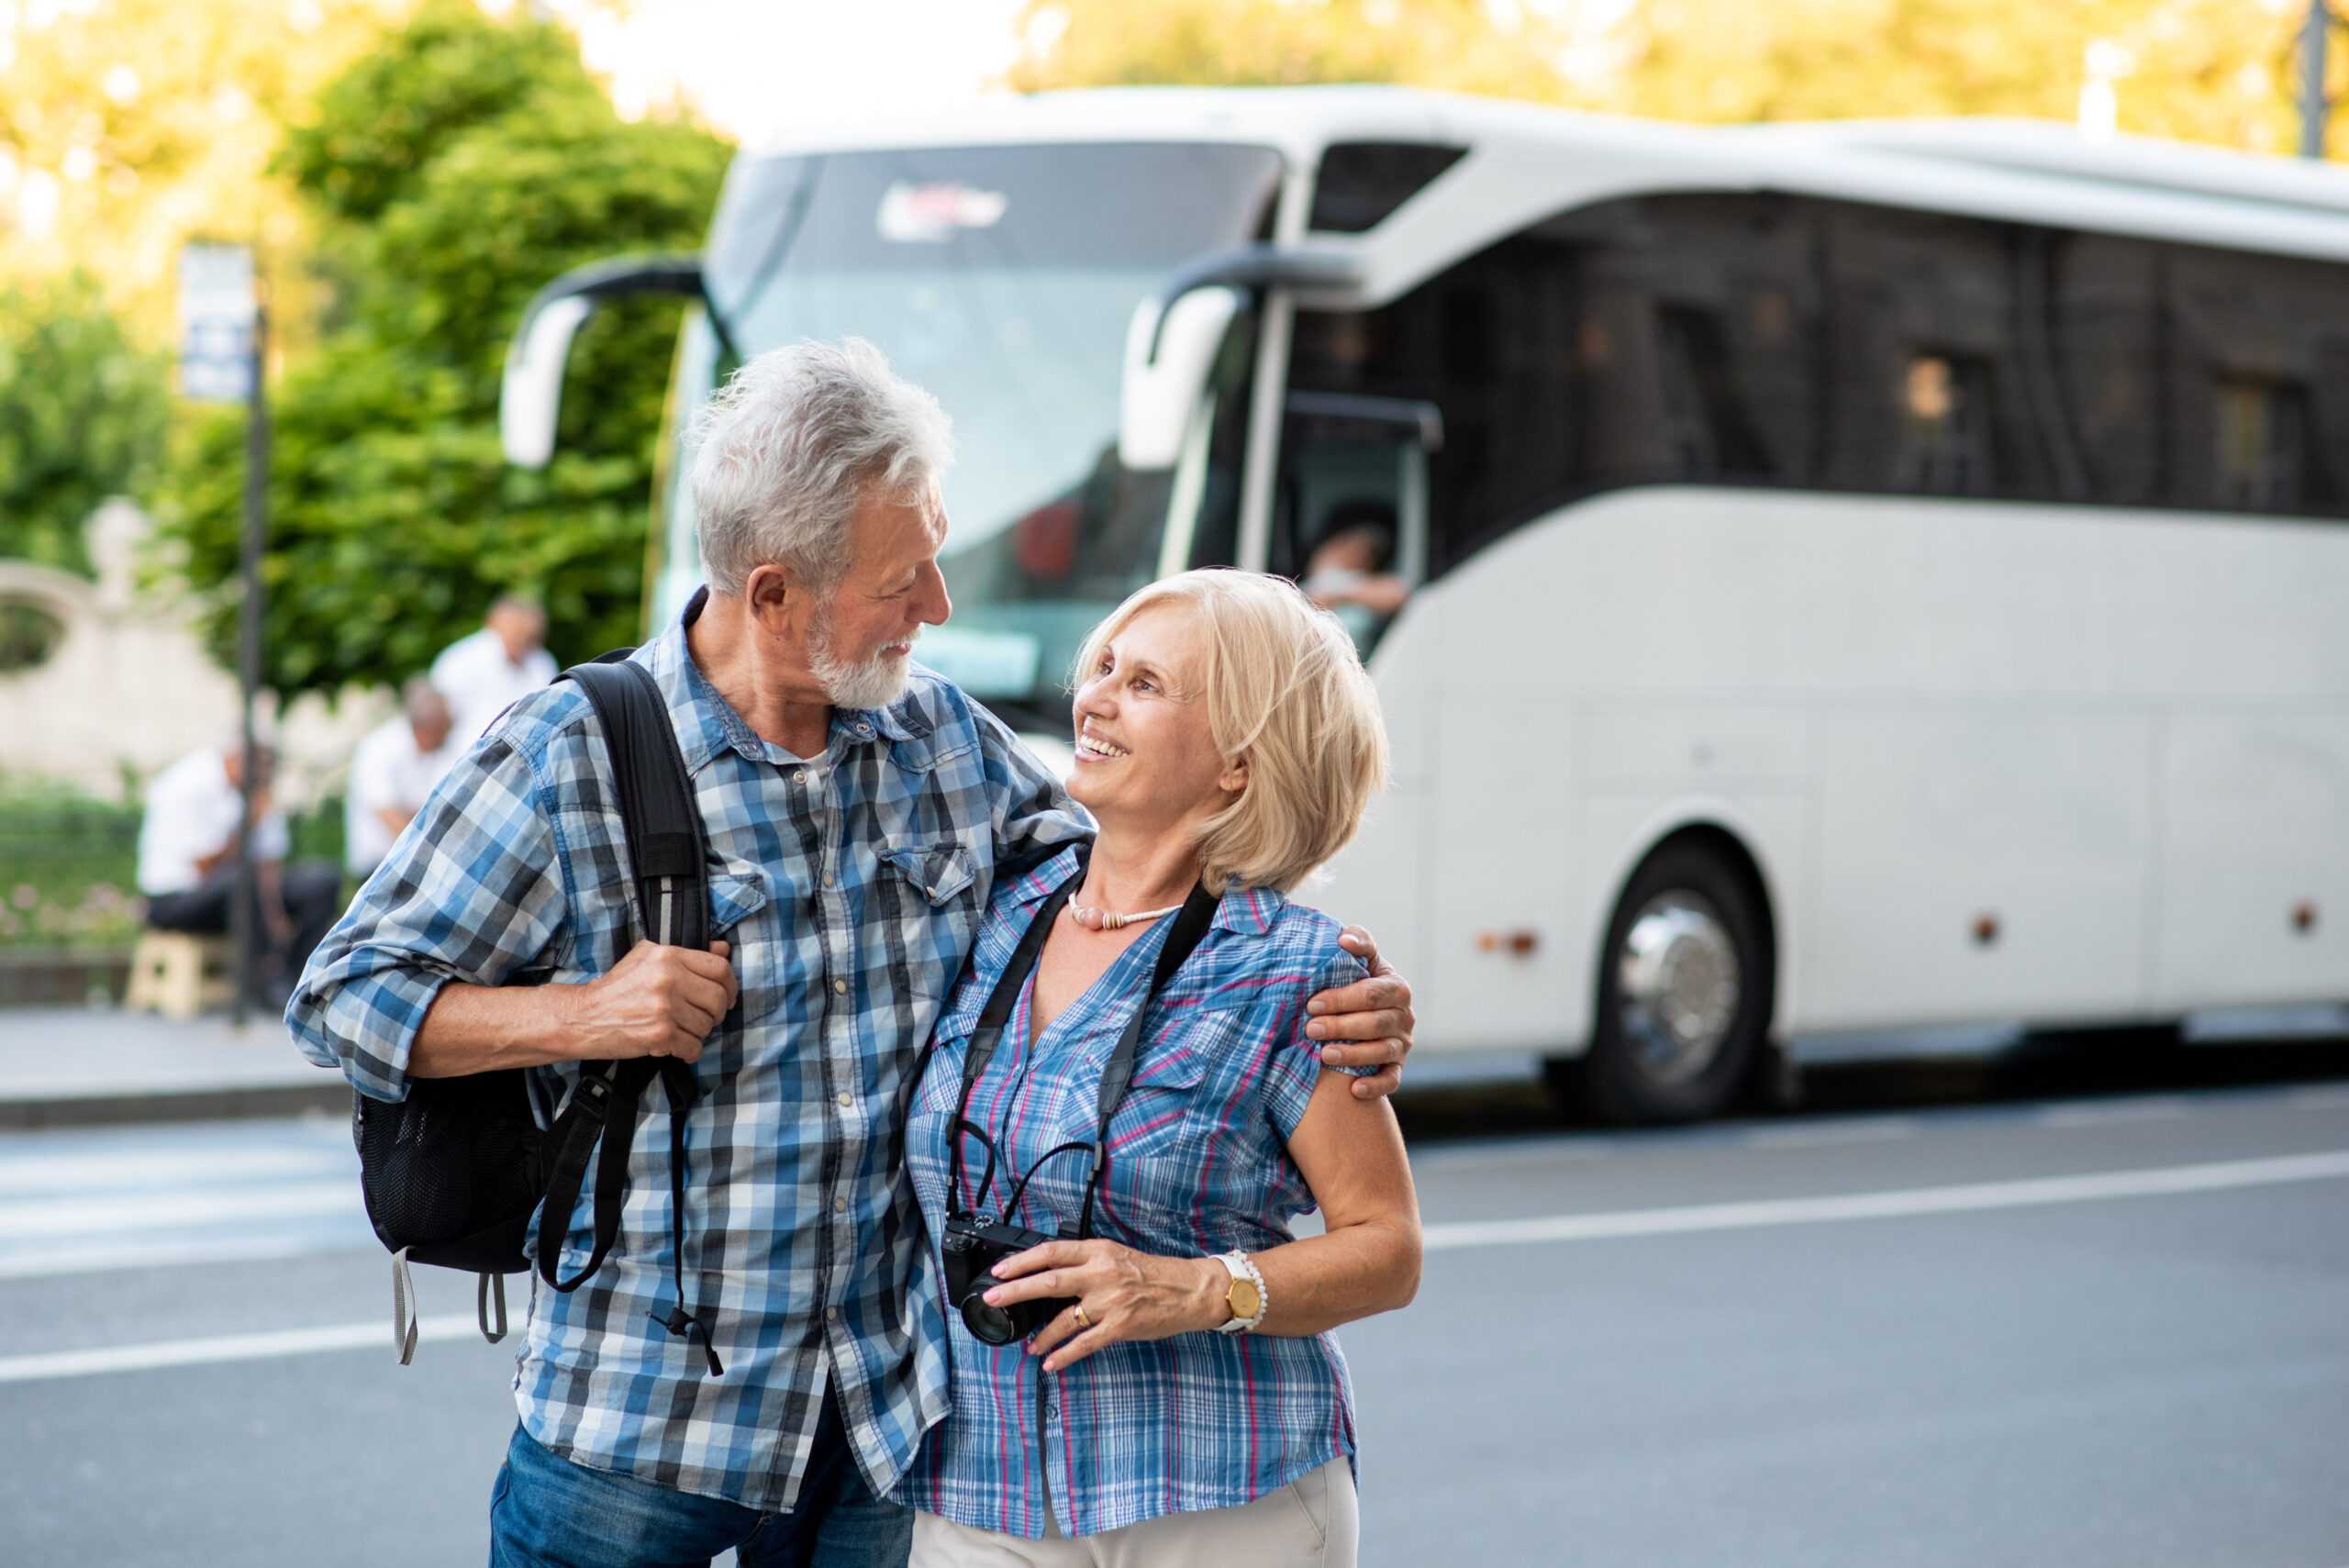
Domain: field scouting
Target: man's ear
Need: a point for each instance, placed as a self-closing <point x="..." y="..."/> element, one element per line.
<point x="773" y="595"/>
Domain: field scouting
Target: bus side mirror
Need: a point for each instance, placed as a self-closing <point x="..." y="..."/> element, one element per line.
<point x="1161" y="389"/>
<point x="529" y="396"/>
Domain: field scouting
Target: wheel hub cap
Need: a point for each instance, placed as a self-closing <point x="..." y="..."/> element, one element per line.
<point x="1676" y="986"/>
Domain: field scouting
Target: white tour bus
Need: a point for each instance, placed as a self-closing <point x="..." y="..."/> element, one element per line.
<point x="1862" y="575"/>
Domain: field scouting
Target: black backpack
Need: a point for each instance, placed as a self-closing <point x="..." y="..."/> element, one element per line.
<point x="452" y="1172"/>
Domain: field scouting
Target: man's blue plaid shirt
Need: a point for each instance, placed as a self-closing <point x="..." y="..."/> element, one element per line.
<point x="850" y="885"/>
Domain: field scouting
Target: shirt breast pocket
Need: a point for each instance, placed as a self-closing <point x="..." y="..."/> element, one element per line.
<point x="929" y="898"/>
<point x="740" y="915"/>
<point x="1165" y="1112"/>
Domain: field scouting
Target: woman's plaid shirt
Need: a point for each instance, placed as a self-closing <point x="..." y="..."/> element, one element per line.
<point x="1198" y="1164"/>
<point x="849" y="886"/>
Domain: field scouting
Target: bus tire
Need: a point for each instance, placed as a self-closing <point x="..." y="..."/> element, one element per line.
<point x="1684" y="994"/>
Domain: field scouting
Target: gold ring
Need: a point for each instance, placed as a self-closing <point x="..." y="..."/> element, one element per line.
<point x="1082" y="1321"/>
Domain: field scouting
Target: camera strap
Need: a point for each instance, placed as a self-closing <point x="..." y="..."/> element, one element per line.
<point x="1190" y="924"/>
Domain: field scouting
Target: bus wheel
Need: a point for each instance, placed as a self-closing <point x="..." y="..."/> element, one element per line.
<point x="1684" y="992"/>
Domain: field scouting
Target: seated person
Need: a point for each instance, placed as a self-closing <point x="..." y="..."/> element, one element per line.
<point x="1350" y="563"/>
<point x="187" y="864"/>
<point x="393" y="769"/>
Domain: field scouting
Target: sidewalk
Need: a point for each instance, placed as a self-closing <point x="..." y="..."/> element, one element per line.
<point x="88" y="1066"/>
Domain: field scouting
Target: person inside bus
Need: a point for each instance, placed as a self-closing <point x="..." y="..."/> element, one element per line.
<point x="1351" y="562"/>
<point x="1227" y="741"/>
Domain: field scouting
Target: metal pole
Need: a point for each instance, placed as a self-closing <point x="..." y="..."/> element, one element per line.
<point x="2313" y="104"/>
<point x="244" y="914"/>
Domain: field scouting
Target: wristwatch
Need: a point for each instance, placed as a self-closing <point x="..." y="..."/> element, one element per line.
<point x="1246" y="1297"/>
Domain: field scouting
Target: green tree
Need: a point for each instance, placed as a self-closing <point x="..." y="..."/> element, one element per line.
<point x="1468" y="45"/>
<point x="2214" y="71"/>
<point x="394" y="519"/>
<point x="81" y="417"/>
<point x="127" y="127"/>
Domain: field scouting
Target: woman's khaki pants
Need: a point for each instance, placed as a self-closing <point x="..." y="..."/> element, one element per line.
<point x="1310" y="1523"/>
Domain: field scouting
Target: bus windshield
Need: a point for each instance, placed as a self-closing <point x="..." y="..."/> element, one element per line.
<point x="1002" y="279"/>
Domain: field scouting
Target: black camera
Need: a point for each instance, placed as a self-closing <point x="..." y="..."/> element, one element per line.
<point x="974" y="1246"/>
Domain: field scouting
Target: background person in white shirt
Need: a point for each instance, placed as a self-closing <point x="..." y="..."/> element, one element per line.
<point x="393" y="769"/>
<point x="187" y="864"/>
<point x="483" y="674"/>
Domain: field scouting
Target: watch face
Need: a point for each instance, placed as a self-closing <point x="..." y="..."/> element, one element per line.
<point x="1244" y="1299"/>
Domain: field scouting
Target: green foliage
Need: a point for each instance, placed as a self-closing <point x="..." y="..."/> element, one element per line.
<point x="1466" y="45"/>
<point x="381" y="123"/>
<point x="81" y="417"/>
<point x="2216" y="70"/>
<point x="394" y="520"/>
<point x="73" y="866"/>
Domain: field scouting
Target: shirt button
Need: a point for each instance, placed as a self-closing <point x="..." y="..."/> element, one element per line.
<point x="833" y="1313"/>
<point x="865" y="731"/>
<point x="846" y="1099"/>
<point x="839" y="987"/>
<point x="839" y="1200"/>
<point x="1052" y="1412"/>
<point x="830" y="880"/>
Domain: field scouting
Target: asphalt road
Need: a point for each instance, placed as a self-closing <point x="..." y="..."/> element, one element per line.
<point x="1953" y="1315"/>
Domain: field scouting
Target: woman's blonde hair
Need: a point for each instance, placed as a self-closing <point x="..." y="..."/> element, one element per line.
<point x="1285" y="693"/>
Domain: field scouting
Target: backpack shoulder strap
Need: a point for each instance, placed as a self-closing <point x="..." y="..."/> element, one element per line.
<point x="657" y="811"/>
<point x="662" y="831"/>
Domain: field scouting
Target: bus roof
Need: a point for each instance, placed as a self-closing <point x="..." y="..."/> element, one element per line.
<point x="1527" y="162"/>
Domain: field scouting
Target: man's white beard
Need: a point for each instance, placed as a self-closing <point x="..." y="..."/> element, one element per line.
<point x="876" y="683"/>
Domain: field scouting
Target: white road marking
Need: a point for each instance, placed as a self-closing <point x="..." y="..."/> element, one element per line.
<point x="112" y="1171"/>
<point x="2318" y="1100"/>
<point x="226" y="1347"/>
<point x="2162" y="1107"/>
<point x="159" y="1253"/>
<point x="165" y="1211"/>
<point x="1828" y="1134"/>
<point x="2030" y="1192"/>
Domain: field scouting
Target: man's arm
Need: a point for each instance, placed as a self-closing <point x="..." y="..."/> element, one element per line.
<point x="657" y="1001"/>
<point x="473" y="896"/>
<point x="1034" y="817"/>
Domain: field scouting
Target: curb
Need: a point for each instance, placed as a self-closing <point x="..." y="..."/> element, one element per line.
<point x="332" y="1094"/>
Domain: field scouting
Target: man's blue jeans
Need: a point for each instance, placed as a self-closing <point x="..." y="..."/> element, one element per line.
<point x="547" y="1512"/>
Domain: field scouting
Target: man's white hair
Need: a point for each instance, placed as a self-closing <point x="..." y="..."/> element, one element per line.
<point x="787" y="448"/>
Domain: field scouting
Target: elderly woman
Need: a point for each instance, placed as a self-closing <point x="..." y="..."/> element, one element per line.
<point x="1123" y="1111"/>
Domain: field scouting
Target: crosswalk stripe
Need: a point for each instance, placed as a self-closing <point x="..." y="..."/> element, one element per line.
<point x="55" y="1365"/>
<point x="169" y="1211"/>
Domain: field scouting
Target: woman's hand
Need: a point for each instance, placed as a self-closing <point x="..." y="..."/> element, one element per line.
<point x="1121" y="1294"/>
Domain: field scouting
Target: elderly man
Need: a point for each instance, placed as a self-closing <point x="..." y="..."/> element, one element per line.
<point x="485" y="672"/>
<point x="858" y="808"/>
<point x="394" y="769"/>
<point x="187" y="864"/>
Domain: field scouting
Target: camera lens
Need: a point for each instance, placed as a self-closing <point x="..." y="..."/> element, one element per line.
<point x="989" y="1323"/>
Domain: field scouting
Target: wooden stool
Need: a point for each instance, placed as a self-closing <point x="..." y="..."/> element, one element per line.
<point x="179" y="975"/>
